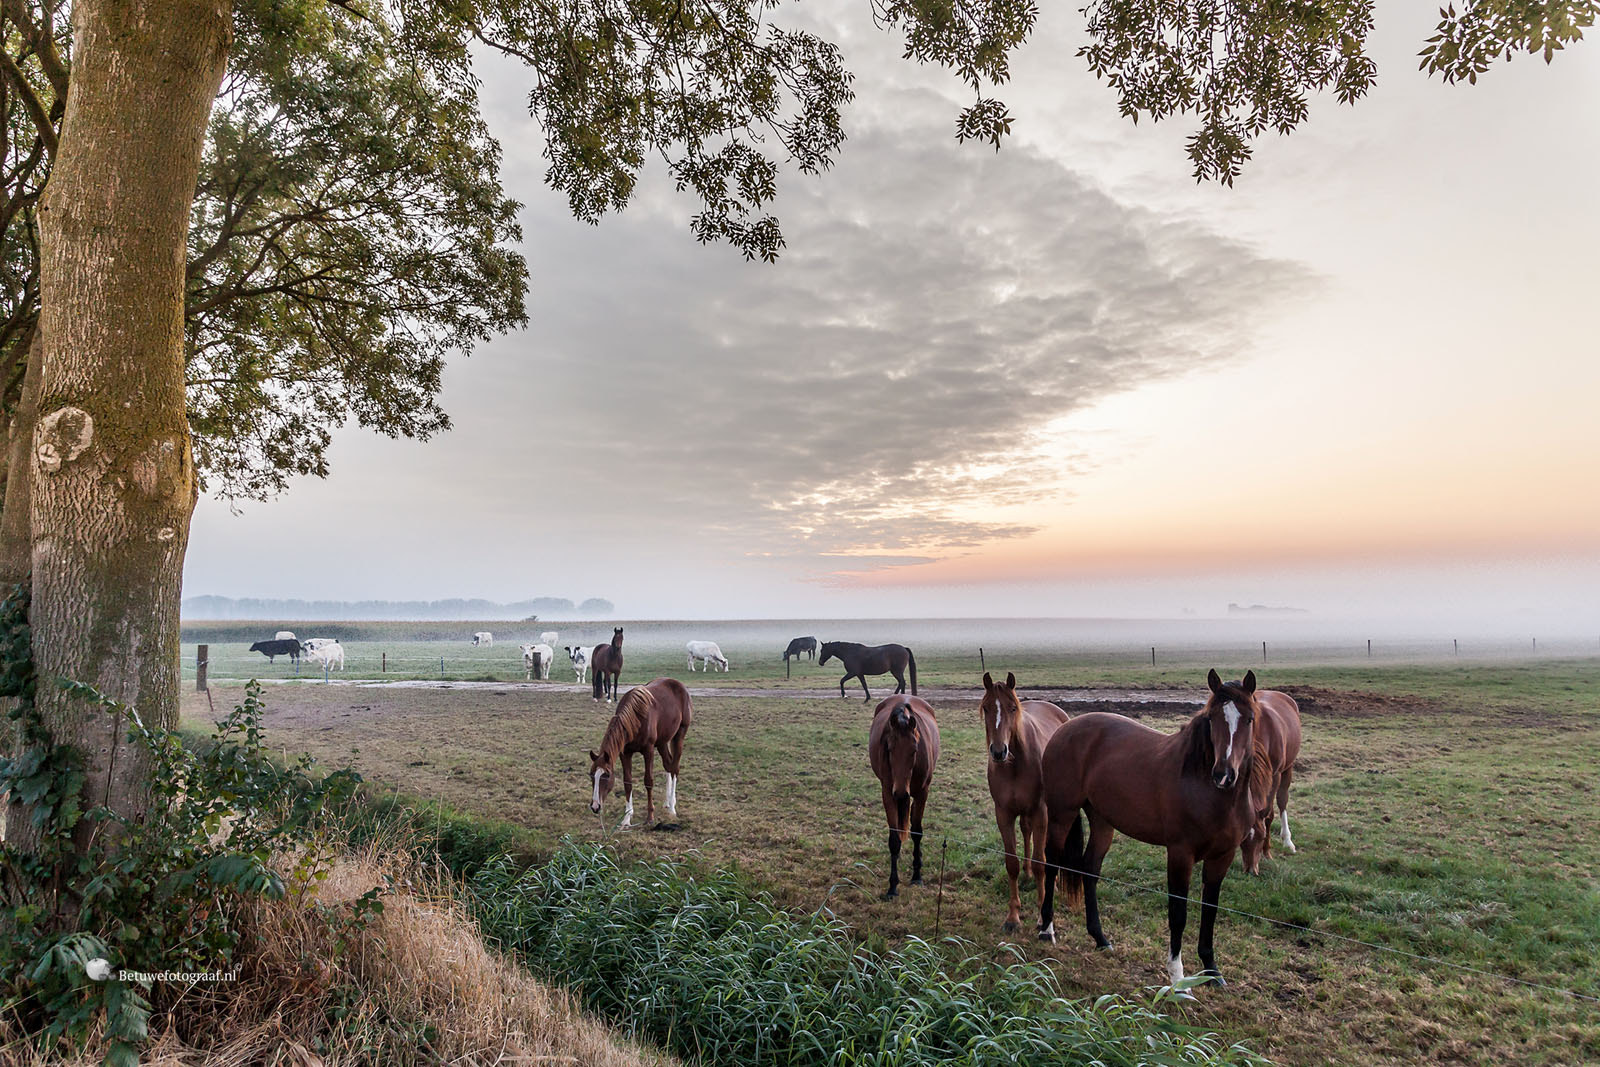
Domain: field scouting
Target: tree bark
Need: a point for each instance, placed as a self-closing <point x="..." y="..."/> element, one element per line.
<point x="16" y="521"/>
<point x="113" y="479"/>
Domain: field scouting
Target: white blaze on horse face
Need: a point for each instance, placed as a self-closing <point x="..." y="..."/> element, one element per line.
<point x="594" y="805"/>
<point x="1232" y="714"/>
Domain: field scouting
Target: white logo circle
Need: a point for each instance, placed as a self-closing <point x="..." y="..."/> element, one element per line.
<point x="98" y="969"/>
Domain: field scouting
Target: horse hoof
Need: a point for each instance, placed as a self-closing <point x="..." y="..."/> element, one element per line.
<point x="1103" y="946"/>
<point x="890" y="894"/>
<point x="1215" y="976"/>
<point x="917" y="880"/>
<point x="1008" y="927"/>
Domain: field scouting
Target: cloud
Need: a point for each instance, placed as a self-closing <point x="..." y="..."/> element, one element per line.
<point x="886" y="391"/>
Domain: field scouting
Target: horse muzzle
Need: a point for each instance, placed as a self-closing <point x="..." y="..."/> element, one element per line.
<point x="1224" y="778"/>
<point x="1000" y="753"/>
<point x="594" y="808"/>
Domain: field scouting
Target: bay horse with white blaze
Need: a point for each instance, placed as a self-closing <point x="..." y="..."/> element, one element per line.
<point x="862" y="660"/>
<point x="1278" y="732"/>
<point x="649" y="718"/>
<point x="903" y="745"/>
<point x="606" y="662"/>
<point x="1188" y="791"/>
<point x="1017" y="731"/>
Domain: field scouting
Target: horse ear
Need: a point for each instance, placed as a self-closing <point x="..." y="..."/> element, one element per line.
<point x="1011" y="680"/>
<point x="988" y="682"/>
<point x="594" y="756"/>
<point x="1213" y="680"/>
<point x="1249" y="682"/>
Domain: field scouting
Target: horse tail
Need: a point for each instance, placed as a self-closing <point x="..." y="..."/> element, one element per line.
<point x="1071" y="874"/>
<point x="595" y="679"/>
<point x="910" y="657"/>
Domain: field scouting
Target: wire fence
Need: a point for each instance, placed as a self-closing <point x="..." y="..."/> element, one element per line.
<point x="610" y="834"/>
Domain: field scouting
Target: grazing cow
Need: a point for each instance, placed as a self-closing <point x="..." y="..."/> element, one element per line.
<point x="311" y="644"/>
<point x="801" y="646"/>
<point x="275" y="648"/>
<point x="580" y="661"/>
<point x="549" y="637"/>
<point x="483" y="638"/>
<point x="536" y="661"/>
<point x="330" y="654"/>
<point x="283" y="635"/>
<point x="708" y="653"/>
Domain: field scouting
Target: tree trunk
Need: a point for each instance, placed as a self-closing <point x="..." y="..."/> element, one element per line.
<point x="113" y="478"/>
<point x="16" y="524"/>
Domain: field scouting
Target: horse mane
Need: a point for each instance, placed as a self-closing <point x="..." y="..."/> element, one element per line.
<point x="1198" y="755"/>
<point x="1260" y="772"/>
<point x="633" y="714"/>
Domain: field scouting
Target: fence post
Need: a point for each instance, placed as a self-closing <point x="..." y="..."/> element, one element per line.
<point x="982" y="666"/>
<point x="202" y="660"/>
<point x="1152" y="655"/>
<point x="1457" y="642"/>
<point x="441" y="668"/>
<point x="1369" y="648"/>
<point x="1263" y="652"/>
<point x="384" y="667"/>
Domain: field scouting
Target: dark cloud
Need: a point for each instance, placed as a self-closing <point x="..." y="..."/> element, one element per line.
<point x="890" y="379"/>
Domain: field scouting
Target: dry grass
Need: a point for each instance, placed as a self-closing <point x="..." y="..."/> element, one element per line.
<point x="414" y="985"/>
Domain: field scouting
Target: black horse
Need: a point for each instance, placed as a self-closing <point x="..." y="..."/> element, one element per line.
<point x="862" y="660"/>
<point x="606" y="662"/>
<point x="801" y="646"/>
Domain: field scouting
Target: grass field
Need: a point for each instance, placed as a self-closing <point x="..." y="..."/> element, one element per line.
<point x="1441" y="809"/>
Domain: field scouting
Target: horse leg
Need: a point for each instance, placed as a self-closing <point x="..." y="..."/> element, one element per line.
<point x="1056" y="848"/>
<point x="892" y="812"/>
<point x="1180" y="869"/>
<point x="627" y="790"/>
<point x="864" y="688"/>
<point x="843" y="680"/>
<point x="900" y="681"/>
<point x="670" y="766"/>
<point x="1100" y="835"/>
<point x="1008" y="837"/>
<point x="918" y="802"/>
<point x="1215" y="869"/>
<point x="649" y="785"/>
<point x="1035" y="829"/>
<point x="1283" y="807"/>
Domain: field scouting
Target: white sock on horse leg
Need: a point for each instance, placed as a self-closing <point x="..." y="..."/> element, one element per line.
<point x="1288" y="842"/>
<point x="627" y="813"/>
<point x="1175" y="968"/>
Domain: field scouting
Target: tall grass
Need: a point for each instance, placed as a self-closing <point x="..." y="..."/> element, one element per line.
<point x="718" y="974"/>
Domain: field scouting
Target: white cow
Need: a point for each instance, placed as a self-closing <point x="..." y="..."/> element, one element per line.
<point x="284" y="635"/>
<point x="328" y="653"/>
<point x="311" y="644"/>
<point x="580" y="661"/>
<point x="537" y="659"/>
<point x="482" y="638"/>
<point x="707" y="652"/>
<point x="549" y="637"/>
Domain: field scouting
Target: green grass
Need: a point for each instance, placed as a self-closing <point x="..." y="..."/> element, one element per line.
<point x="1444" y="810"/>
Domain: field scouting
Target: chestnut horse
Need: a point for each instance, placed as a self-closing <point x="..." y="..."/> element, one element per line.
<point x="1188" y="791"/>
<point x="649" y="718"/>
<point x="862" y="660"/>
<point x="606" y="662"/>
<point x="904" y="746"/>
<point x="1017" y="731"/>
<point x="1278" y="732"/>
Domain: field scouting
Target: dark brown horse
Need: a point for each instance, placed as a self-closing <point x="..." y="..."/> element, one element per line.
<point x="649" y="718"/>
<point x="862" y="660"/>
<point x="1188" y="791"/>
<point x="1278" y="734"/>
<point x="904" y="747"/>
<point x="606" y="662"/>
<point x="1017" y="731"/>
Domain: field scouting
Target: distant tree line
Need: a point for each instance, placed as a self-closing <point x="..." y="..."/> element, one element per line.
<point x="222" y="607"/>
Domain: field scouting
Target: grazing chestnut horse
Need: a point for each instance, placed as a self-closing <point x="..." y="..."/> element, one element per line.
<point x="649" y="718"/>
<point x="606" y="662"/>
<point x="1278" y="734"/>
<point x="1017" y="731"/>
<point x="1188" y="791"/>
<point x="862" y="660"/>
<point x="904" y="746"/>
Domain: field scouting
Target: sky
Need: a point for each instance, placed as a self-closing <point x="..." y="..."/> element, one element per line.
<point x="1061" y="379"/>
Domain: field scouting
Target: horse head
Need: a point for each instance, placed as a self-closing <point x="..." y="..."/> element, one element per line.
<point x="1002" y="717"/>
<point x="616" y="637"/>
<point x="829" y="650"/>
<point x="600" y="777"/>
<point x="1229" y="730"/>
<point x="901" y="739"/>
